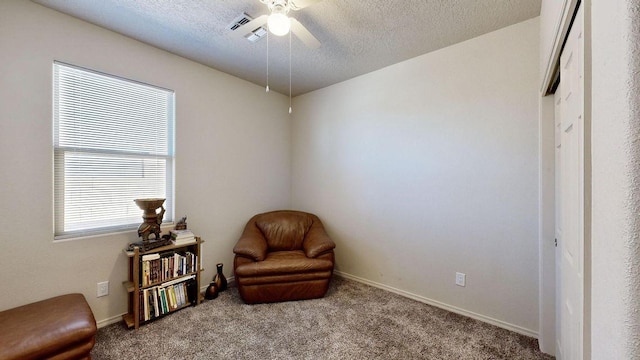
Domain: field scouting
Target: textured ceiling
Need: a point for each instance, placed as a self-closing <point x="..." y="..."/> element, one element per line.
<point x="357" y="36"/>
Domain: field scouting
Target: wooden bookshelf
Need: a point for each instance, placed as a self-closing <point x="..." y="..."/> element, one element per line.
<point x="170" y="281"/>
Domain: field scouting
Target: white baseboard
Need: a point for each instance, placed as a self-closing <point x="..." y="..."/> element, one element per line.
<point x="204" y="287"/>
<point x="108" y="321"/>
<point x="457" y="310"/>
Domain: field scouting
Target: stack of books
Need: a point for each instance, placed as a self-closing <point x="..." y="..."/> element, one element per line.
<point x="165" y="266"/>
<point x="182" y="237"/>
<point x="167" y="297"/>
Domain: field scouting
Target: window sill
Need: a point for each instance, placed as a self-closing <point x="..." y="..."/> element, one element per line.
<point x="165" y="227"/>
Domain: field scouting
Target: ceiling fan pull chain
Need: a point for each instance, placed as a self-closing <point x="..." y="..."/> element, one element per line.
<point x="267" y="89"/>
<point x="289" y="72"/>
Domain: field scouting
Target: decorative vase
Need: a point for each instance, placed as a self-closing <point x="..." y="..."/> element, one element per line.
<point x="211" y="292"/>
<point x="219" y="279"/>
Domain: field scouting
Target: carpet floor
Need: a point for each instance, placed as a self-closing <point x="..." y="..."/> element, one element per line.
<point x="353" y="321"/>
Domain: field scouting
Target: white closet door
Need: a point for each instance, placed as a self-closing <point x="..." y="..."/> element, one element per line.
<point x="570" y="228"/>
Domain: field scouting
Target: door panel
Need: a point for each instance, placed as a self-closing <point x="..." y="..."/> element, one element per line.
<point x="571" y="187"/>
<point x="558" y="217"/>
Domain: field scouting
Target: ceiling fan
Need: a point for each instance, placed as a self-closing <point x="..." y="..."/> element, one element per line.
<point x="279" y="23"/>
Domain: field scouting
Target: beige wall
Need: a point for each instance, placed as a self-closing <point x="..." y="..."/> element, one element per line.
<point x="430" y="167"/>
<point x="232" y="155"/>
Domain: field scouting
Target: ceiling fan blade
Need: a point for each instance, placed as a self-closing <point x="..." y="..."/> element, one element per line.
<point x="250" y="26"/>
<point x="303" y="34"/>
<point x="301" y="4"/>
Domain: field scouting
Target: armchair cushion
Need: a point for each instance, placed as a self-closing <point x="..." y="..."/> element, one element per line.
<point x="284" y="262"/>
<point x="284" y="232"/>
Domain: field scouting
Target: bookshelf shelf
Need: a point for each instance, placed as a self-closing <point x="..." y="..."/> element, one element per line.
<point x="161" y="281"/>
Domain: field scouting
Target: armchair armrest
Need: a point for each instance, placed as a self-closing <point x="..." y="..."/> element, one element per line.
<point x="317" y="241"/>
<point x="251" y="244"/>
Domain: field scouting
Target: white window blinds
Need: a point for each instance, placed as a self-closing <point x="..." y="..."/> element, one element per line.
<point x="113" y="143"/>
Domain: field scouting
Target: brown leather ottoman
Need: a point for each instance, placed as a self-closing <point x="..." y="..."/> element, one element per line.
<point x="62" y="327"/>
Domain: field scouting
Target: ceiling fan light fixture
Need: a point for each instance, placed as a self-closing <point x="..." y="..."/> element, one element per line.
<point x="279" y="22"/>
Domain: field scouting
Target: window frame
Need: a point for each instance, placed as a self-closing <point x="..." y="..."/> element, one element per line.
<point x="59" y="165"/>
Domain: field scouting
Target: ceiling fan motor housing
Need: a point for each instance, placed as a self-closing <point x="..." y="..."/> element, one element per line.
<point x="280" y="6"/>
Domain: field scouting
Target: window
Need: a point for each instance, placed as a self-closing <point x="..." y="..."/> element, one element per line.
<point x="113" y="143"/>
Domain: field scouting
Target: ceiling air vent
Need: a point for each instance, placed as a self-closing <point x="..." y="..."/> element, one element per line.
<point x="256" y="34"/>
<point x="239" y="21"/>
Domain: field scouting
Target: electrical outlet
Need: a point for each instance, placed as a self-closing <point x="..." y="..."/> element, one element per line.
<point x="103" y="288"/>
<point x="460" y="279"/>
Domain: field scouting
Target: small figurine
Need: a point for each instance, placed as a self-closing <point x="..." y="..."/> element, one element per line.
<point x="182" y="224"/>
<point x="152" y="219"/>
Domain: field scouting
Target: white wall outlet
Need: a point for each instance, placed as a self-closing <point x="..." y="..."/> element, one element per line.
<point x="103" y="288"/>
<point x="461" y="279"/>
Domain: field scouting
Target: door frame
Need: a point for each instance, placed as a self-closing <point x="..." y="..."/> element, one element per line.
<point x="547" y="334"/>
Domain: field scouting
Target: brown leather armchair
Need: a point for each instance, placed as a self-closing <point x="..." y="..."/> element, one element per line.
<point x="281" y="256"/>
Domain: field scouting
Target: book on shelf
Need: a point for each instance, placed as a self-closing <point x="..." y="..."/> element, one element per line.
<point x="176" y="292"/>
<point x="145" y="304"/>
<point x="163" y="300"/>
<point x="172" y="298"/>
<point x="150" y="257"/>
<point x="154" y="294"/>
<point x="176" y="281"/>
<point x="177" y="234"/>
<point x="181" y="234"/>
<point x="184" y="241"/>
